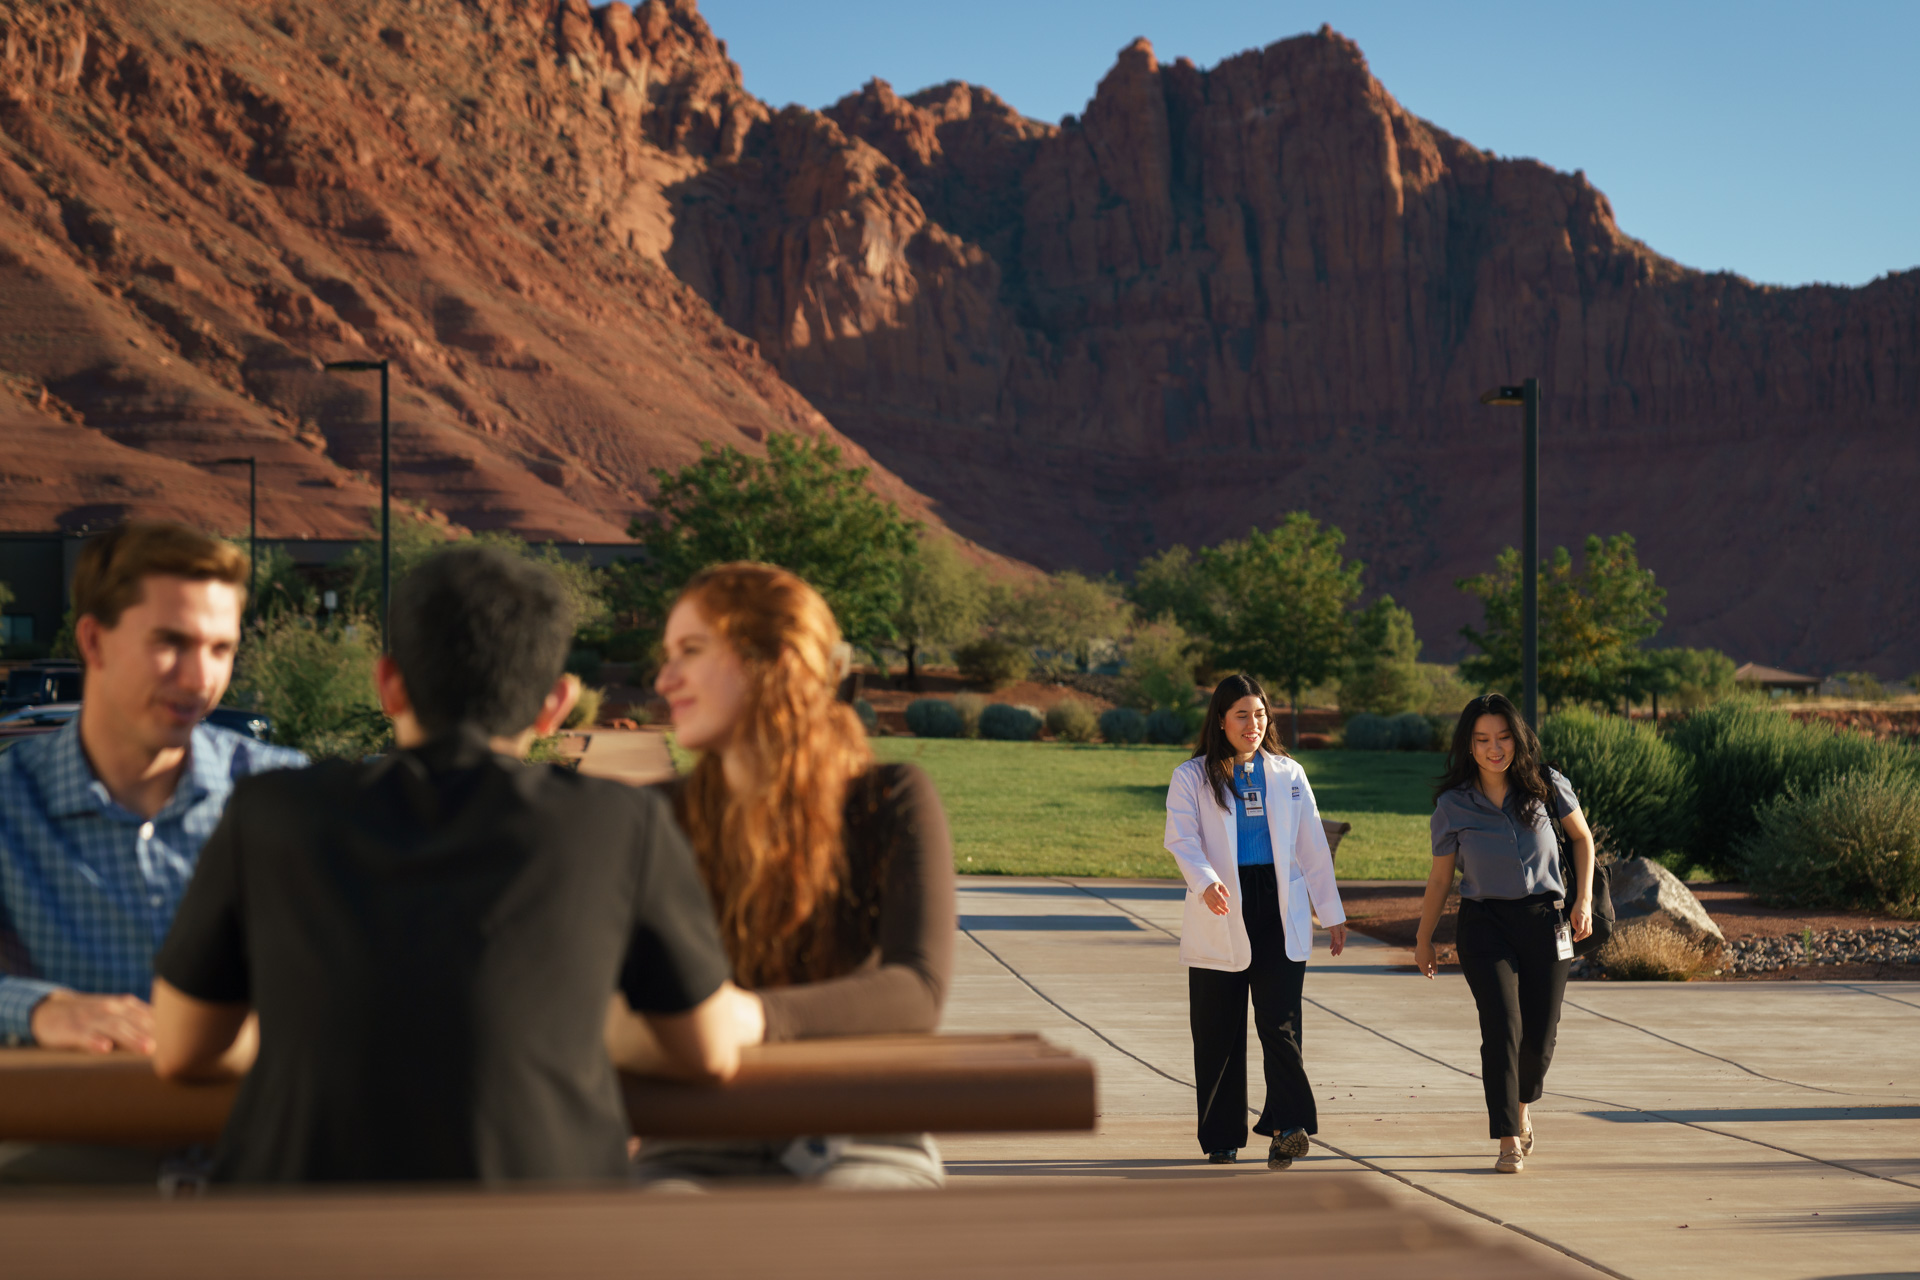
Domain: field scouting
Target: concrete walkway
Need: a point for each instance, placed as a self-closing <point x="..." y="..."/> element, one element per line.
<point x="1702" y="1129"/>
<point x="637" y="757"/>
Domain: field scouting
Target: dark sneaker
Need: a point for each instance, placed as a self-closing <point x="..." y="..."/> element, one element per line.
<point x="1227" y="1156"/>
<point x="1287" y="1147"/>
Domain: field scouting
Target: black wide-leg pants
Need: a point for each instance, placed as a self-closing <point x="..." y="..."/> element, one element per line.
<point x="1217" y="1009"/>
<point x="1507" y="954"/>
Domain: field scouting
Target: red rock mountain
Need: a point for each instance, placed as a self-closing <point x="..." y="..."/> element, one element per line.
<point x="1217" y="296"/>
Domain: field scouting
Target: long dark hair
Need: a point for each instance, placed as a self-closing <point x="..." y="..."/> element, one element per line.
<point x="1524" y="773"/>
<point x="1213" y="743"/>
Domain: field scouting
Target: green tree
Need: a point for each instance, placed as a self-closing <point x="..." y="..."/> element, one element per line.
<point x="1382" y="672"/>
<point x="585" y="587"/>
<point x="315" y="682"/>
<point x="1690" y="678"/>
<point x="413" y="538"/>
<point x="801" y="507"/>
<point x="1159" y="669"/>
<point x="1283" y="599"/>
<point x="943" y="600"/>
<point x="1591" y="623"/>
<point x="1062" y="615"/>
<point x="1171" y="584"/>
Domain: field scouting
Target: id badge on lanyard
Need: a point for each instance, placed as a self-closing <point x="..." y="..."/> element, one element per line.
<point x="1563" y="941"/>
<point x="1254" y="798"/>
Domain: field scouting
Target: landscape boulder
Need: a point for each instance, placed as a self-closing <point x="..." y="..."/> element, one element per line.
<point x="1643" y="890"/>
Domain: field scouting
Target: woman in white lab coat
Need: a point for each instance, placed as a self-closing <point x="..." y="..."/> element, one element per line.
<point x="1244" y="828"/>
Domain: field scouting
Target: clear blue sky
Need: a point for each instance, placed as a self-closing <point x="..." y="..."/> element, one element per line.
<point x="1781" y="141"/>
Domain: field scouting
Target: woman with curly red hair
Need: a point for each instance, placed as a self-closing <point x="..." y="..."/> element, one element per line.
<point x="831" y="875"/>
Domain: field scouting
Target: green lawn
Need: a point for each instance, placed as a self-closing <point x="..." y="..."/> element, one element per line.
<point x="1037" y="808"/>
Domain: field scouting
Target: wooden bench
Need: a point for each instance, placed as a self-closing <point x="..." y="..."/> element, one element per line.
<point x="1203" y="1222"/>
<point x="856" y="1084"/>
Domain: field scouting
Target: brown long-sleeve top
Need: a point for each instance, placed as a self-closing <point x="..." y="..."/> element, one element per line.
<point x="894" y="918"/>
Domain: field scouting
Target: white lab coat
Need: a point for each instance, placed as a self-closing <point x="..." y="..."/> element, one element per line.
<point x="1203" y="839"/>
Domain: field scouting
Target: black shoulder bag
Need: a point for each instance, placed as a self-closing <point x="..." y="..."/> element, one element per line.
<point x="1602" y="894"/>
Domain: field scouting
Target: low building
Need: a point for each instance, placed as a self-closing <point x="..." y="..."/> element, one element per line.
<point x="1775" y="681"/>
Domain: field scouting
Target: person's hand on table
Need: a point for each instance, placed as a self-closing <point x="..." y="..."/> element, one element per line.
<point x="95" y="1024"/>
<point x="1215" y="896"/>
<point x="1336" y="939"/>
<point x="749" y="1017"/>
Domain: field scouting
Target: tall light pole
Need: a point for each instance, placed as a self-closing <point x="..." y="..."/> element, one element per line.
<point x="386" y="483"/>
<point x="253" y="521"/>
<point x="1527" y="397"/>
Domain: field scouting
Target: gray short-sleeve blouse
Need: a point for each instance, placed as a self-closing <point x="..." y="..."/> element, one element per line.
<point x="1499" y="855"/>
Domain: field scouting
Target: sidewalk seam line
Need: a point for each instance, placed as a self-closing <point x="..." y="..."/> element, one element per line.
<point x="1761" y="1075"/>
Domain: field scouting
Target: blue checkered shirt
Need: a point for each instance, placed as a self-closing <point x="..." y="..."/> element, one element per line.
<point x="88" y="888"/>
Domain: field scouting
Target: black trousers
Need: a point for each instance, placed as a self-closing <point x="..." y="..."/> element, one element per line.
<point x="1507" y="953"/>
<point x="1217" y="1010"/>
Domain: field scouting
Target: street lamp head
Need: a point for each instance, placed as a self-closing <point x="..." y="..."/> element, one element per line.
<point x="1504" y="395"/>
<point x="355" y="366"/>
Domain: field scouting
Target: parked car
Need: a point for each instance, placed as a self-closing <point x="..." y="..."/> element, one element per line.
<point x="39" y="683"/>
<point x="28" y="721"/>
<point x="44" y="718"/>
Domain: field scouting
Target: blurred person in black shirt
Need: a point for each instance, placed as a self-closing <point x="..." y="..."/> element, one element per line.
<point x="432" y="940"/>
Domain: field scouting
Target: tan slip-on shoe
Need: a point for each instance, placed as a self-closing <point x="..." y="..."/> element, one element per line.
<point x="1526" y="1139"/>
<point x="1511" y="1161"/>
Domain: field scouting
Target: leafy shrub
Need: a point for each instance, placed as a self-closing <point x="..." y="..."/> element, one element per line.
<point x="315" y="682"/>
<point x="868" y="716"/>
<point x="1071" y="720"/>
<point x="1123" y="725"/>
<point x="1647" y="952"/>
<point x="1628" y="778"/>
<point x="1004" y="723"/>
<point x="934" y="718"/>
<point x="586" y="712"/>
<point x="1411" y="732"/>
<point x="993" y="663"/>
<point x="1167" y="726"/>
<point x="1742" y="755"/>
<point x="969" y="705"/>
<point x="1852" y="841"/>
<point x="1159" y="670"/>
<point x="1368" y="732"/>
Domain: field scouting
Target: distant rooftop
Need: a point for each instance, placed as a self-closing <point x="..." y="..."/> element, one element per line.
<point x="1773" y="678"/>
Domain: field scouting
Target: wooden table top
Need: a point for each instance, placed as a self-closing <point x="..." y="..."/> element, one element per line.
<point x="855" y="1084"/>
<point x="1226" y="1227"/>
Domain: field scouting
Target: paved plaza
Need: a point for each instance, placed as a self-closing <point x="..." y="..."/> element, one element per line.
<point x="1758" y="1129"/>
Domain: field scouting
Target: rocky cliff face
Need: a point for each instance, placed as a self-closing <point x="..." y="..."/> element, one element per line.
<point x="1221" y="295"/>
<point x="1218" y="296"/>
<point x="198" y="202"/>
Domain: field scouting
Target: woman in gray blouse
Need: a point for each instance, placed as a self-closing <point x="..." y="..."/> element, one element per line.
<point x="1493" y="816"/>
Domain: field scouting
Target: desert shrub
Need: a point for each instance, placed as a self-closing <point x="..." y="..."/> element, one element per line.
<point x="868" y="716"/>
<point x="969" y="705"/>
<point x="1412" y="732"/>
<point x="1629" y="779"/>
<point x="315" y="682"/>
<point x="1123" y="725"/>
<point x="934" y="718"/>
<point x="1851" y="841"/>
<point x="1742" y="755"/>
<point x="993" y="663"/>
<point x="1004" y="723"/>
<point x="1648" y="952"/>
<point x="1071" y="720"/>
<point x="1167" y="726"/>
<point x="1368" y="732"/>
<point x="586" y="712"/>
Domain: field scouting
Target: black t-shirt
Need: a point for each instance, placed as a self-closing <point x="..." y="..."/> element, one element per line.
<point x="431" y="942"/>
